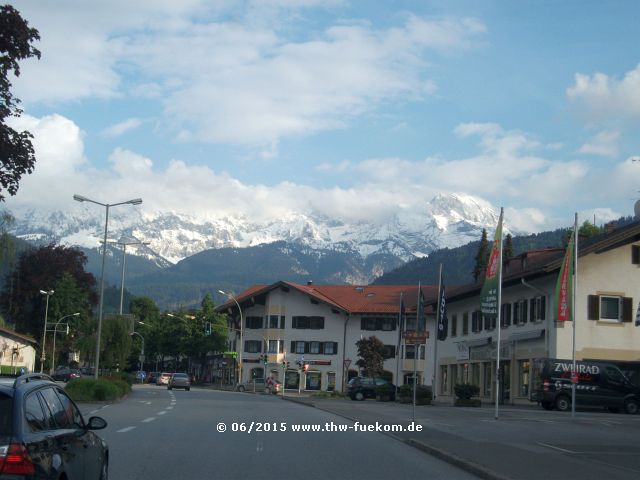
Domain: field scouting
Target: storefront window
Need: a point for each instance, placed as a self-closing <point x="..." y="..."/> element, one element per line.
<point x="291" y="379"/>
<point x="523" y="378"/>
<point x="475" y="374"/>
<point x="331" y="381"/>
<point x="313" y="380"/>
<point x="454" y="375"/>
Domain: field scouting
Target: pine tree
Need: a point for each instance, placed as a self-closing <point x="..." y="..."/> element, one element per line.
<point x="482" y="256"/>
<point x="507" y="251"/>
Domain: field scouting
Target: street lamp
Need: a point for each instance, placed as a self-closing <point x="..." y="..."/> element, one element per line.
<point x="124" y="257"/>
<point x="241" y="333"/>
<point x="55" y="331"/>
<point x="48" y="293"/>
<point x="80" y="198"/>
<point x="141" y="351"/>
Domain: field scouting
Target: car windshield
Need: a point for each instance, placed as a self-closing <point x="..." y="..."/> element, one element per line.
<point x="6" y="404"/>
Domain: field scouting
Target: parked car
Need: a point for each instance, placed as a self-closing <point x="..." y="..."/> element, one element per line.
<point x="599" y="384"/>
<point x="43" y="434"/>
<point x="65" y="374"/>
<point x="259" y="385"/>
<point x="360" y="388"/>
<point x="153" y="377"/>
<point x="179" y="380"/>
<point x="163" y="379"/>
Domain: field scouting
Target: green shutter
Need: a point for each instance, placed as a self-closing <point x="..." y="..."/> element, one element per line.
<point x="594" y="307"/>
<point x="627" y="309"/>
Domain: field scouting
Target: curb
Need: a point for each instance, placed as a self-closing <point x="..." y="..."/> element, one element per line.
<point x="450" y="458"/>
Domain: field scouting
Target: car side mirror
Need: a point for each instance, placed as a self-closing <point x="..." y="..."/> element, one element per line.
<point x="96" y="423"/>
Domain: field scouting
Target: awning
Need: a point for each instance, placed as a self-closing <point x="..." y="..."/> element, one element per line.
<point x="522" y="336"/>
<point x="477" y="343"/>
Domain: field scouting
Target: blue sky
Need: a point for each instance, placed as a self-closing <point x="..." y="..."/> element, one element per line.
<point x="354" y="109"/>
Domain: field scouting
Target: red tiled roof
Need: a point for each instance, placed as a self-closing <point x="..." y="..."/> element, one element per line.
<point x="349" y="298"/>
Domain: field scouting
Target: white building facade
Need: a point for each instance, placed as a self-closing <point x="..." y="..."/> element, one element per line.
<point x="17" y="352"/>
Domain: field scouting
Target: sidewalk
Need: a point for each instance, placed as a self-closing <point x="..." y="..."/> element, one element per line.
<point x="524" y="443"/>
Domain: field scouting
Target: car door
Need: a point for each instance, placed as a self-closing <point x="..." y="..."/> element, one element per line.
<point x="90" y="443"/>
<point x="68" y="443"/>
<point x="38" y="438"/>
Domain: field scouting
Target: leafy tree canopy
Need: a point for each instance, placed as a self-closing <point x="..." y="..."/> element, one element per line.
<point x="17" y="155"/>
<point x="371" y="353"/>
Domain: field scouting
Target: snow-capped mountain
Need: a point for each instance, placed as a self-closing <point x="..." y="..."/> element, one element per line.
<point x="446" y="221"/>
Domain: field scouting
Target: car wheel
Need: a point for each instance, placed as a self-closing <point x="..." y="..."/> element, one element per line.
<point x="359" y="396"/>
<point x="547" y="405"/>
<point x="187" y="389"/>
<point x="241" y="388"/>
<point x="613" y="409"/>
<point x="563" y="403"/>
<point x="631" y="406"/>
<point x="169" y="388"/>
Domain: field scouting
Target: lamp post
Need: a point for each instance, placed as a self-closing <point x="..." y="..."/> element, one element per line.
<point x="124" y="257"/>
<point x="239" y="380"/>
<point x="48" y="293"/>
<point x="80" y="198"/>
<point x="141" y="351"/>
<point x="55" y="331"/>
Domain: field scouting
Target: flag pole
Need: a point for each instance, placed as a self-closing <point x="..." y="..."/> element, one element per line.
<point x="498" y="319"/>
<point x="573" y="315"/>
<point x="434" y="383"/>
<point x="398" y="356"/>
<point x="416" y="349"/>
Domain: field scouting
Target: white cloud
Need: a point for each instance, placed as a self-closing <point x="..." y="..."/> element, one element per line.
<point x="604" y="144"/>
<point x="223" y="77"/>
<point x="122" y="127"/>
<point x="604" y="96"/>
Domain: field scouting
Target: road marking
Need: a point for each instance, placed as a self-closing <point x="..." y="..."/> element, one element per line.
<point x="150" y="419"/>
<point x="126" y="429"/>
<point x="169" y="408"/>
<point x="94" y="411"/>
<point x="162" y="413"/>
<point x="556" y="448"/>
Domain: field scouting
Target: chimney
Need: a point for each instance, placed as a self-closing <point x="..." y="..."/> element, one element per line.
<point x="610" y="227"/>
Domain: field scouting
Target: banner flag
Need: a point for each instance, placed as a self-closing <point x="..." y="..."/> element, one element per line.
<point x="489" y="293"/>
<point x="400" y="322"/>
<point x="564" y="285"/>
<point x="421" y="322"/>
<point x="443" y="322"/>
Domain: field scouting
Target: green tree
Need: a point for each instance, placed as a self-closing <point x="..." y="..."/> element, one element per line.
<point x="588" y="229"/>
<point x="17" y="156"/>
<point x="41" y="269"/>
<point x="482" y="257"/>
<point x="507" y="250"/>
<point x="116" y="341"/>
<point x="371" y="353"/>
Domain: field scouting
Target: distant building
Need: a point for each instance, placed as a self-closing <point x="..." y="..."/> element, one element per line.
<point x="17" y="351"/>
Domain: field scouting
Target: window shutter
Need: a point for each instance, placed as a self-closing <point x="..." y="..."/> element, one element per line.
<point x="507" y="316"/>
<point x="627" y="309"/>
<point x="543" y="307"/>
<point x="306" y="347"/>
<point x="516" y="313"/>
<point x="282" y="317"/>
<point x="594" y="307"/>
<point x="635" y="254"/>
<point x="335" y="348"/>
<point x="524" y="312"/>
<point x="281" y="346"/>
<point x="246" y="345"/>
<point x="532" y="309"/>
<point x="293" y="347"/>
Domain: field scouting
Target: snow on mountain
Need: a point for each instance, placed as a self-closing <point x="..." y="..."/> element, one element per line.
<point x="446" y="221"/>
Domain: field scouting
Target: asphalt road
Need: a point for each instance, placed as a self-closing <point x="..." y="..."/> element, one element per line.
<point x="159" y="434"/>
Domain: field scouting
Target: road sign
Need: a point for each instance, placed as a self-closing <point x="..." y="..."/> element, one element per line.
<point x="347" y="362"/>
<point x="413" y="337"/>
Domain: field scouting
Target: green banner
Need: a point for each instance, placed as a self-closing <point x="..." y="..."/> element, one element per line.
<point x="489" y="293"/>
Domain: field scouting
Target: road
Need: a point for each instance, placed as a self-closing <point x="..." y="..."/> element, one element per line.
<point x="159" y="434"/>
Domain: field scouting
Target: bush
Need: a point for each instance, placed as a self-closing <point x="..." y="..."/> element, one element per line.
<point x="423" y="394"/>
<point x="91" y="390"/>
<point x="464" y="391"/>
<point x="385" y="392"/>
<point x="126" y="377"/>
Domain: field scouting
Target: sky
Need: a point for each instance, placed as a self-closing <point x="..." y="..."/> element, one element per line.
<point x="356" y="110"/>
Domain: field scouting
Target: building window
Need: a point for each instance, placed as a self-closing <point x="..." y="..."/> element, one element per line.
<point x="299" y="347"/>
<point x="505" y="315"/>
<point x="253" y="346"/>
<point x="312" y="323"/>
<point x="523" y="378"/>
<point x="610" y="308"/>
<point x="331" y="381"/>
<point x="330" y="348"/>
<point x="314" y="347"/>
<point x="454" y="375"/>
<point x="465" y="323"/>
<point x="520" y="312"/>
<point x="273" y="321"/>
<point x="386" y="324"/>
<point x="389" y="351"/>
<point x="253" y="322"/>
<point x="487" y="379"/>
<point x="454" y="325"/>
<point x="476" y="321"/>
<point x="409" y="352"/>
<point x="537" y="308"/>
<point x="273" y="346"/>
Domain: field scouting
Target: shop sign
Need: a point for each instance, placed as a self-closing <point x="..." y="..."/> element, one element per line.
<point x="463" y="351"/>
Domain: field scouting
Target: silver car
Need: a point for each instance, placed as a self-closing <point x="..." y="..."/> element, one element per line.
<point x="179" y="380"/>
<point x="259" y="385"/>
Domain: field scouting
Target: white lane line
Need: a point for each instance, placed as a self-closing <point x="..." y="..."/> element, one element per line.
<point x="169" y="408"/>
<point x="161" y="413"/>
<point x="126" y="429"/>
<point x="150" y="419"/>
<point x="557" y="448"/>
<point x="93" y="411"/>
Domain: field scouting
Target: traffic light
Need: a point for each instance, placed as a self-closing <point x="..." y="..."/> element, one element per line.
<point x="284" y="364"/>
<point x="288" y="363"/>
<point x="265" y="360"/>
<point x="306" y="367"/>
